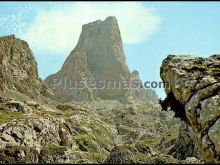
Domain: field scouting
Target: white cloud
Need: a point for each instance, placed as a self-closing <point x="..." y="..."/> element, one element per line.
<point x="57" y="30"/>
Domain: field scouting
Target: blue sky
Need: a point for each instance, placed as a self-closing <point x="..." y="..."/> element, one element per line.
<point x="150" y="30"/>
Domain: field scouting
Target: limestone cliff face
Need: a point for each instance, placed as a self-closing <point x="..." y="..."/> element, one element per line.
<point x="18" y="68"/>
<point x="99" y="57"/>
<point x="102" y="42"/>
<point x="194" y="94"/>
<point x="66" y="83"/>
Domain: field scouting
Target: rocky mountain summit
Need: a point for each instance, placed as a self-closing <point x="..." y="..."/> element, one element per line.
<point x="99" y="61"/>
<point x="194" y="94"/>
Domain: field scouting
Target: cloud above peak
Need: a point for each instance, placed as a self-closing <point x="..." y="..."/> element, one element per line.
<point x="57" y="30"/>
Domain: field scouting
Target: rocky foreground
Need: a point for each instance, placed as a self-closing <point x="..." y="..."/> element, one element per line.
<point x="104" y="131"/>
<point x="193" y="94"/>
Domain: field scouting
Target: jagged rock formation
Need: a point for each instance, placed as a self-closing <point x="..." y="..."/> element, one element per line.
<point x="193" y="93"/>
<point x="99" y="57"/>
<point x="18" y="68"/>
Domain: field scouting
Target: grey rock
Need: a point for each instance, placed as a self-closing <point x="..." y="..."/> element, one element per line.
<point x="193" y="93"/>
<point x="98" y="61"/>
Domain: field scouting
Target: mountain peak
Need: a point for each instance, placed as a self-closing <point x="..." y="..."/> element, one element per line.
<point x="111" y="20"/>
<point x="98" y="56"/>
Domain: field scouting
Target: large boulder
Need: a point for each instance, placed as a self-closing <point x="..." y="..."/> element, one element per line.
<point x="192" y="90"/>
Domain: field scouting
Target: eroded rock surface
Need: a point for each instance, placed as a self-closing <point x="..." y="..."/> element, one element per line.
<point x="34" y="133"/>
<point x="193" y="92"/>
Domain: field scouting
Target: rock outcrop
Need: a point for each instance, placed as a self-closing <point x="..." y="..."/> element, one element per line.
<point x="193" y="92"/>
<point x="98" y="61"/>
<point x="18" y="68"/>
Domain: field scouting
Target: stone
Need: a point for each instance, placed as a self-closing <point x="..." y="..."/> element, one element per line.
<point x="120" y="155"/>
<point x="18" y="106"/>
<point x="196" y="100"/>
<point x="192" y="160"/>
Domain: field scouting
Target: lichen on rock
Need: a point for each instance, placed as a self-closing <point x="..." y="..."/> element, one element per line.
<point x="194" y="84"/>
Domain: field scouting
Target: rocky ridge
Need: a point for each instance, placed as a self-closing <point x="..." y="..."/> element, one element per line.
<point x="18" y="68"/>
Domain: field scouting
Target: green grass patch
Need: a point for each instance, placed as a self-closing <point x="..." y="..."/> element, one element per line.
<point x="6" y="116"/>
<point x="172" y="133"/>
<point x="53" y="150"/>
<point x="85" y="142"/>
